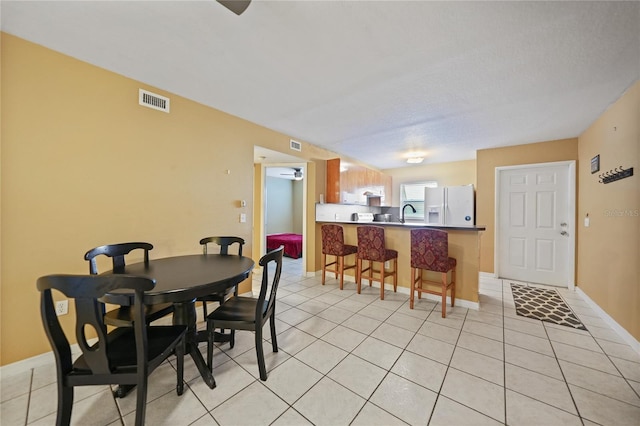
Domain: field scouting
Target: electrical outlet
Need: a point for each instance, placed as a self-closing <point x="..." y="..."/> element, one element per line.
<point x="243" y="217"/>
<point x="62" y="307"/>
<point x="387" y="265"/>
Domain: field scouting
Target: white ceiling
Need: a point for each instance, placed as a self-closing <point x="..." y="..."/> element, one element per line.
<point x="370" y="80"/>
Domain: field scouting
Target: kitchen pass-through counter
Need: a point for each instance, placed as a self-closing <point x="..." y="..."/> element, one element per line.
<point x="464" y="245"/>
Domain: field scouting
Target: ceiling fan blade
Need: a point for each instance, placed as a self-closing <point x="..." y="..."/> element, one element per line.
<point x="236" y="6"/>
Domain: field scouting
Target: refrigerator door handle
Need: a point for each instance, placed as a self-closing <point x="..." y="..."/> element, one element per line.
<point x="445" y="207"/>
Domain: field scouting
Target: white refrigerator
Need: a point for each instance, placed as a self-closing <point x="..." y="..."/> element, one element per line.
<point x="450" y="206"/>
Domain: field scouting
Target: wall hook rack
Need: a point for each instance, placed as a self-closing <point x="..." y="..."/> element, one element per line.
<point x="615" y="174"/>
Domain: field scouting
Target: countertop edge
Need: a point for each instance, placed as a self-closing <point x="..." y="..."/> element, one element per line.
<point x="476" y="228"/>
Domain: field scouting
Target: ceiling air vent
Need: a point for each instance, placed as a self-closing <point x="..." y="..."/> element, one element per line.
<point x="296" y="146"/>
<point x="152" y="100"/>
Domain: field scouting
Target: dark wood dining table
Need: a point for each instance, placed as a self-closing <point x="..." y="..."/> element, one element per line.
<point x="179" y="280"/>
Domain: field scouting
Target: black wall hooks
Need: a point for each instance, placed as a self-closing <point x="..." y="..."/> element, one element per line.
<point x="615" y="174"/>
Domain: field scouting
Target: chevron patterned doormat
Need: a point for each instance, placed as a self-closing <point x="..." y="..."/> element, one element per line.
<point x="544" y="305"/>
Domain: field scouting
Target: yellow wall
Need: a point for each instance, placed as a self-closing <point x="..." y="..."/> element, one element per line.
<point x="609" y="254"/>
<point x="84" y="165"/>
<point x="488" y="160"/>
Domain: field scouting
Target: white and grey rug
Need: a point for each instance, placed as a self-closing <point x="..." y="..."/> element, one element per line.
<point x="545" y="305"/>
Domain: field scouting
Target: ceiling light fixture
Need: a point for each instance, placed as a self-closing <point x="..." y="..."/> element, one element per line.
<point x="415" y="160"/>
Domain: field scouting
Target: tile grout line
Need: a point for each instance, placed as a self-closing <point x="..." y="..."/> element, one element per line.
<point x="504" y="354"/>
<point x="26" y="417"/>
<point x="439" y="393"/>
<point x="561" y="372"/>
<point x="564" y="378"/>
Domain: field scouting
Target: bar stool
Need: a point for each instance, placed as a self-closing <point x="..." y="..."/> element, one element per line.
<point x="333" y="245"/>
<point x="371" y="248"/>
<point x="430" y="252"/>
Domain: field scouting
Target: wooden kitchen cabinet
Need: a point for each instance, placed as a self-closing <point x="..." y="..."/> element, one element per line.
<point x="350" y="185"/>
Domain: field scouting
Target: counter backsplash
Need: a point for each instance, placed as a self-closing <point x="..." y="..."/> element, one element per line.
<point x="344" y="212"/>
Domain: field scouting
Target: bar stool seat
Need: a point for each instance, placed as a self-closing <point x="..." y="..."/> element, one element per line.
<point x="430" y="252"/>
<point x="371" y="247"/>
<point x="333" y="245"/>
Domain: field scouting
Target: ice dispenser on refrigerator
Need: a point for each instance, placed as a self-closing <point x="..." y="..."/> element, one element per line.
<point x="450" y="206"/>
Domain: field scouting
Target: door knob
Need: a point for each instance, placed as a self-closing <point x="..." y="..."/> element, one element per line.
<point x="565" y="233"/>
<point x="563" y="224"/>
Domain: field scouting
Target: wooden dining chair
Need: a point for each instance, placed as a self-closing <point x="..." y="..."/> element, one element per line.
<point x="125" y="356"/>
<point x="248" y="313"/>
<point x="224" y="243"/>
<point x="123" y="316"/>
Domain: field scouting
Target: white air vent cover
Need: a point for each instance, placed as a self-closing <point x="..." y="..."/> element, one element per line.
<point x="152" y="100"/>
<point x="296" y="146"/>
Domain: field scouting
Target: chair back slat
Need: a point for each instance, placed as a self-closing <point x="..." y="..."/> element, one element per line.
<point x="265" y="305"/>
<point x="224" y="243"/>
<point x="116" y="252"/>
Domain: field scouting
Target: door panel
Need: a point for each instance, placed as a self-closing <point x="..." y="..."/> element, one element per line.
<point x="534" y="209"/>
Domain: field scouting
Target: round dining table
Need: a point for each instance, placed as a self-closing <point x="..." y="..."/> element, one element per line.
<point x="180" y="280"/>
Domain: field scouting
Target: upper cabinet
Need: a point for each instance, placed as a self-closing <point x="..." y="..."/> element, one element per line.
<point x="354" y="184"/>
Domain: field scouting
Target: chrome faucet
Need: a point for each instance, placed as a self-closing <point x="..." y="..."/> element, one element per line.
<point x="402" y="211"/>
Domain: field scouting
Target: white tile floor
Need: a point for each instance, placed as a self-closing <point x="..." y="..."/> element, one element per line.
<point x="352" y="359"/>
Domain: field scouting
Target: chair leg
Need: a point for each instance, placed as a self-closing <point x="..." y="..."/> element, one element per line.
<point x="232" y="339"/>
<point x="204" y="310"/>
<point x="179" y="351"/>
<point x="141" y="399"/>
<point x="395" y="275"/>
<point x="210" y="330"/>
<point x="412" y="287"/>
<point x="272" y="325"/>
<point x="324" y="266"/>
<point x="340" y="260"/>
<point x="260" y="353"/>
<point x="382" y="274"/>
<point x="453" y="287"/>
<point x="444" y="295"/>
<point x="358" y="273"/>
<point x="65" y="404"/>
<point x="370" y="274"/>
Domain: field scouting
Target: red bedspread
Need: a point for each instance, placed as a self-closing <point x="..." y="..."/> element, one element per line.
<point x="292" y="244"/>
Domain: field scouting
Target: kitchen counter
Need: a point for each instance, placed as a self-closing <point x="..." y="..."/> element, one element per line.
<point x="410" y="225"/>
<point x="464" y="245"/>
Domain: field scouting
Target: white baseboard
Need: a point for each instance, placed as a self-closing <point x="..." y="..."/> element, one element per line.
<point x="626" y="336"/>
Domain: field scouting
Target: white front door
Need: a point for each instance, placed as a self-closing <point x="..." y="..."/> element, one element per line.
<point x="535" y="226"/>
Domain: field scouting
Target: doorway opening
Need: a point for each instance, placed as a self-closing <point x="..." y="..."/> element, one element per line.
<point x="280" y="218"/>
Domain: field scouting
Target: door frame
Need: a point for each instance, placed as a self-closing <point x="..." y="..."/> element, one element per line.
<point x="263" y="170"/>
<point x="571" y="226"/>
